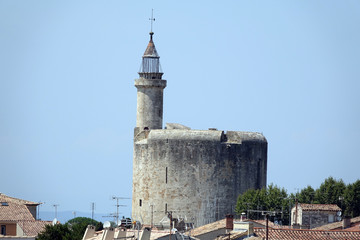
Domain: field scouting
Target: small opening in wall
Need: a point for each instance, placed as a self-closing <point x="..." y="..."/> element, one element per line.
<point x="165" y="207"/>
<point x="140" y="202"/>
<point x="166" y="174"/>
<point x="3" y="230"/>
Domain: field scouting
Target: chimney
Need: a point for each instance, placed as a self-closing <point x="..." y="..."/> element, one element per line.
<point x="346" y="222"/>
<point x="230" y="221"/>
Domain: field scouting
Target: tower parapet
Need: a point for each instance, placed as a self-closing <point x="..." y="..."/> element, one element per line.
<point x="150" y="87"/>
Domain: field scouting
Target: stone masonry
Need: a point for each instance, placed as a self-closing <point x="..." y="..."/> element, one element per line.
<point x="196" y="175"/>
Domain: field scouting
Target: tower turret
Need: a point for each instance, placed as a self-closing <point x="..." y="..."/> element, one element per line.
<point x="149" y="90"/>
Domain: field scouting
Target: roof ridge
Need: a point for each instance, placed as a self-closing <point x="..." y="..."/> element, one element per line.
<point x="16" y="199"/>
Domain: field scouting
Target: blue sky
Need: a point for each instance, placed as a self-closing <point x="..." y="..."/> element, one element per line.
<point x="288" y="69"/>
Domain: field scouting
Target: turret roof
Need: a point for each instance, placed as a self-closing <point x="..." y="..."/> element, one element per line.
<point x="151" y="50"/>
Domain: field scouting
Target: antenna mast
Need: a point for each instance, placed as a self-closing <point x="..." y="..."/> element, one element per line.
<point x="152" y="19"/>
<point x="55" y="206"/>
<point x="117" y="207"/>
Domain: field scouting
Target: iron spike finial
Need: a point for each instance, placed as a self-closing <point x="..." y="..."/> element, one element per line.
<point x="152" y="19"/>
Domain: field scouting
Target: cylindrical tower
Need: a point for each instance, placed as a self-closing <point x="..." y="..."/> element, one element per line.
<point x="150" y="90"/>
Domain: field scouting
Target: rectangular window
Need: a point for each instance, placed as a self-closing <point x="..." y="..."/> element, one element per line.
<point x="165" y="207"/>
<point x="3" y="230"/>
<point x="140" y="202"/>
<point x="4" y="204"/>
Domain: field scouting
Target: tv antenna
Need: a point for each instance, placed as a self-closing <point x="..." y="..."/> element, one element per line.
<point x="55" y="206"/>
<point x="92" y="212"/>
<point x="117" y="206"/>
<point x="38" y="210"/>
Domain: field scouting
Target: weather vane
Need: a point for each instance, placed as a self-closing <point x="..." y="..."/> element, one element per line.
<point x="152" y="19"/>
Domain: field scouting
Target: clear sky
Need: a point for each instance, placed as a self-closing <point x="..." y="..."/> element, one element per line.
<point x="288" y="69"/>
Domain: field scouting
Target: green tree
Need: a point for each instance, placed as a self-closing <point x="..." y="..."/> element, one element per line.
<point x="272" y="198"/>
<point x="306" y="195"/>
<point x="74" y="229"/>
<point x="56" y="232"/>
<point x="352" y="199"/>
<point x="78" y="226"/>
<point x="250" y="200"/>
<point x="330" y="191"/>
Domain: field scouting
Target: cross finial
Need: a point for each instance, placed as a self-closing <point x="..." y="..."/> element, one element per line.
<point x="152" y="19"/>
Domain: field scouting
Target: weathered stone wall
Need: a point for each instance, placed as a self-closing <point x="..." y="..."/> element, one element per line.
<point x="313" y="219"/>
<point x="149" y="103"/>
<point x="195" y="174"/>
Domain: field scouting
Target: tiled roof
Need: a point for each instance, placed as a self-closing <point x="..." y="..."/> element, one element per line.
<point x="319" y="207"/>
<point x="15" y="212"/>
<point x="354" y="228"/>
<point x="302" y="234"/>
<point x="5" y="198"/>
<point x="208" y="227"/>
<point x="263" y="222"/>
<point x="337" y="225"/>
<point x="233" y="235"/>
<point x="33" y="228"/>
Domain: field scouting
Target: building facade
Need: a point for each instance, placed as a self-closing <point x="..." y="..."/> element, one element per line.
<point x="308" y="216"/>
<point x="18" y="218"/>
<point x="189" y="175"/>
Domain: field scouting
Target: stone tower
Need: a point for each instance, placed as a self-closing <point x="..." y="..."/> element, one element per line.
<point x="150" y="90"/>
<point x="196" y="175"/>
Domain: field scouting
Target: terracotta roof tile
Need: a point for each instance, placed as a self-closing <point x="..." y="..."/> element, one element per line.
<point x="15" y="212"/>
<point x="5" y="198"/>
<point x="337" y="225"/>
<point x="33" y="228"/>
<point x="319" y="207"/>
<point x="302" y="234"/>
<point x="208" y="227"/>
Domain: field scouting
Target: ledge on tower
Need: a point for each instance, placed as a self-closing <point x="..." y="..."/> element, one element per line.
<point x="176" y="126"/>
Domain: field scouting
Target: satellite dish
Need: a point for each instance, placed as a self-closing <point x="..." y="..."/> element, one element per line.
<point x="119" y="222"/>
<point x="339" y="213"/>
<point x="107" y="224"/>
<point x="54" y="222"/>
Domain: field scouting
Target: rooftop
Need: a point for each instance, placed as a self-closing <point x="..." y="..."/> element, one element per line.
<point x="5" y="198"/>
<point x="302" y="234"/>
<point x="338" y="225"/>
<point x="14" y="210"/>
<point x="319" y="207"/>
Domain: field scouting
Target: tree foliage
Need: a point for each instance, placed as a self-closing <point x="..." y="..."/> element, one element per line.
<point x="330" y="191"/>
<point x="273" y="198"/>
<point x="352" y="199"/>
<point x="56" y="232"/>
<point x="74" y="229"/>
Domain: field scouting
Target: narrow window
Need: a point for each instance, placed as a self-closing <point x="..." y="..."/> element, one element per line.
<point x="140" y="202"/>
<point x="166" y="174"/>
<point x="165" y="207"/>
